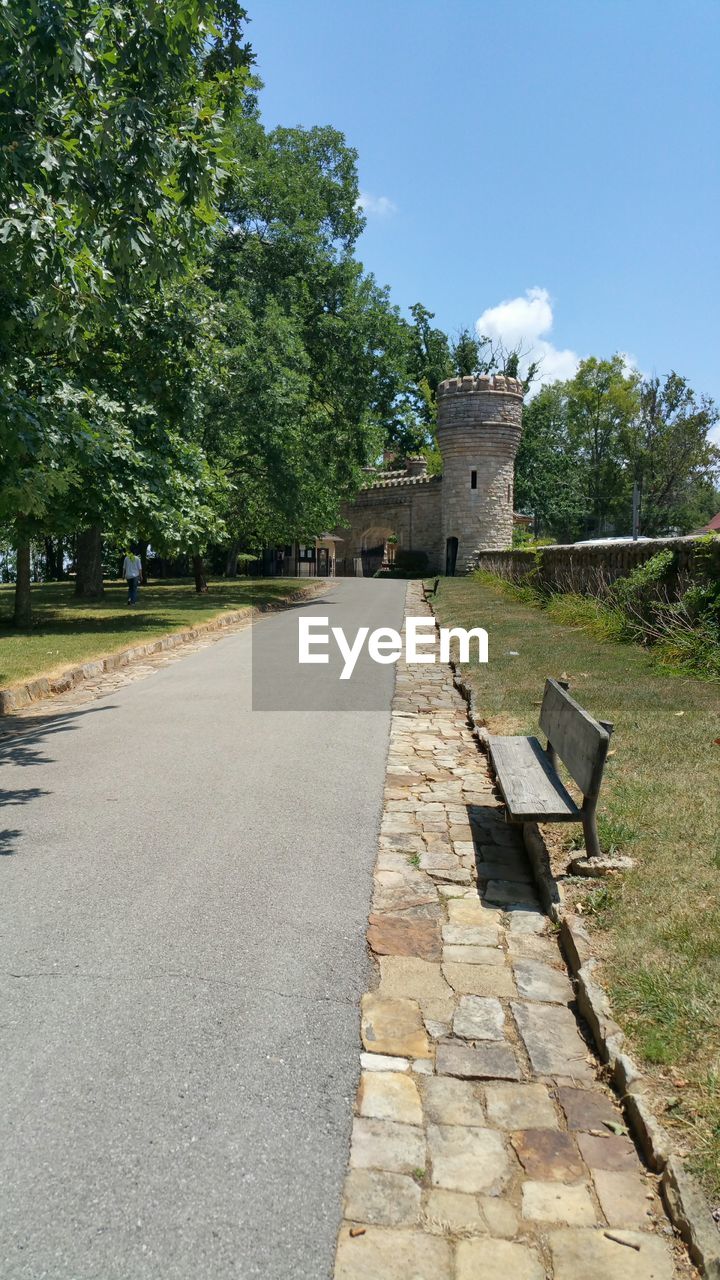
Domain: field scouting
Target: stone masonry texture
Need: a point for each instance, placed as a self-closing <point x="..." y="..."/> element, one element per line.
<point x="485" y="1143"/>
<point x="479" y="425"/>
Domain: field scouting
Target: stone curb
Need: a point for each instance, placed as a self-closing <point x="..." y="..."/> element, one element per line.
<point x="16" y="697"/>
<point x="684" y="1200"/>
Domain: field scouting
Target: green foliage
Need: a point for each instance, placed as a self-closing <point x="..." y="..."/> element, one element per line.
<point x="671" y="456"/>
<point x="683" y="635"/>
<point x="112" y="159"/>
<point x="549" y="477"/>
<point x="112" y="148"/>
<point x="588" y="440"/>
<point x="310" y="356"/>
<point x="524" y="539"/>
<point x="601" y="402"/>
<point x="645" y="580"/>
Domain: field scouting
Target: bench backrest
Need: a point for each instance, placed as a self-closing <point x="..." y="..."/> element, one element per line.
<point x="580" y="742"/>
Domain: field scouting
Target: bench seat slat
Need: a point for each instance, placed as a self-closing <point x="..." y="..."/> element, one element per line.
<point x="531" y="788"/>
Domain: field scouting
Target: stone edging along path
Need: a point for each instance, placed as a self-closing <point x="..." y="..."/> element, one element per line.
<point x="485" y="1142"/>
<point x="684" y="1200"/>
<point x="20" y="696"/>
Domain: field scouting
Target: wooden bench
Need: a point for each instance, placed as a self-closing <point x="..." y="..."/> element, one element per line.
<point x="527" y="773"/>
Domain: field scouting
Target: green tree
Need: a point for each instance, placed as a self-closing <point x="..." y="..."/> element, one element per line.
<point x="311" y="356"/>
<point x="550" y="479"/>
<point x="602" y="401"/>
<point x="671" y="456"/>
<point x="111" y="160"/>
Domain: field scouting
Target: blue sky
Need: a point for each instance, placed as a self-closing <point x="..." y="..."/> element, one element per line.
<point x="560" y="157"/>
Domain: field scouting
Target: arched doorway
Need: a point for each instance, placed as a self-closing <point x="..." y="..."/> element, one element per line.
<point x="377" y="549"/>
<point x="451" y="550"/>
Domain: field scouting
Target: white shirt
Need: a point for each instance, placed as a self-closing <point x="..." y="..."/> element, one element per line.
<point x="132" y="567"/>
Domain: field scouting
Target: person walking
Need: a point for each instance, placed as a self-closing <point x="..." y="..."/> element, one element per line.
<point x="132" y="571"/>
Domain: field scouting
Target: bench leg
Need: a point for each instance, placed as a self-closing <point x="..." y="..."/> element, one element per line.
<point x="590" y="831"/>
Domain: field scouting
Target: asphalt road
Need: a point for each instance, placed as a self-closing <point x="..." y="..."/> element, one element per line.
<point x="182" y="914"/>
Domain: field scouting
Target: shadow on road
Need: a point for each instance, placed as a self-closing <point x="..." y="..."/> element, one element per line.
<point x="22" y="742"/>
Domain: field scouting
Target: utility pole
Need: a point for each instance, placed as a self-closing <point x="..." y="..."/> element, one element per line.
<point x="635" y="511"/>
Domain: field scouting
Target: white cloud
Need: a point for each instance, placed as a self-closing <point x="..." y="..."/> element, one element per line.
<point x="525" y="323"/>
<point x="375" y="206"/>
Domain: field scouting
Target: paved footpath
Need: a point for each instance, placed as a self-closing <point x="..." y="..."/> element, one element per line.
<point x="183" y="908"/>
<point x="485" y="1146"/>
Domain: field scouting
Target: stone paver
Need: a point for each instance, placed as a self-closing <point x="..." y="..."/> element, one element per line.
<point x="479" y="1148"/>
<point x="383" y="1144"/>
<point x="548" y="1154"/>
<point x="451" y="1101"/>
<point x="452" y="1211"/>
<point x="493" y="1259"/>
<point x="479" y="979"/>
<point x="482" y="1062"/>
<point x="607" y="1152"/>
<point x="393" y="1255"/>
<point x="407" y="976"/>
<point x="593" y="1256"/>
<point x="553" y="1042"/>
<point x="625" y="1198"/>
<point x="557" y="1202"/>
<point x="520" y="1106"/>
<point x="468" y="1159"/>
<point x="385" y="1199"/>
<point x="389" y="1095"/>
<point x="587" y="1109"/>
<point x="394" y="1027"/>
<point x="538" y="981"/>
<point x="479" y="1018"/>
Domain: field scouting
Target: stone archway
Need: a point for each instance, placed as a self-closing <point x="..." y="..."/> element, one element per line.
<point x="377" y="548"/>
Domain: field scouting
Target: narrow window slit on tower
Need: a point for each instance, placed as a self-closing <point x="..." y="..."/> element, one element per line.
<point x="473" y="479"/>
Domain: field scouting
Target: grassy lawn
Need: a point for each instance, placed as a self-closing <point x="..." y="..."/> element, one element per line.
<point x="656" y="928"/>
<point x="68" y="631"/>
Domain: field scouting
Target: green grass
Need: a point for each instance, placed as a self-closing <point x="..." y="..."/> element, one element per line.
<point x="657" y="928"/>
<point x="67" y="631"/>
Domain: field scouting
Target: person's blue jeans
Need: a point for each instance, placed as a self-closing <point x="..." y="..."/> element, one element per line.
<point x="133" y="584"/>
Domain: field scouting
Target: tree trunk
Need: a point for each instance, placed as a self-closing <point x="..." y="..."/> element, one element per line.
<point x="60" y="560"/>
<point x="23" y="602"/>
<point x="54" y="560"/>
<point x="142" y="550"/>
<point x="231" y="561"/>
<point x="198" y="569"/>
<point x="88" y="564"/>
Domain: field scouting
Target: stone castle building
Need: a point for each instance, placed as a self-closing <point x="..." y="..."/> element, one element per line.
<point x="447" y="518"/>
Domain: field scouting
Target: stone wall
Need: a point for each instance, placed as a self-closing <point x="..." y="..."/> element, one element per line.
<point x="408" y="510"/>
<point x="591" y="570"/>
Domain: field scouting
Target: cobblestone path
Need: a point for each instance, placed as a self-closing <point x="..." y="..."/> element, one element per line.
<point x="484" y="1144"/>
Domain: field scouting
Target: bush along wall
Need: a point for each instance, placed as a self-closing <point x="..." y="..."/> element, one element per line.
<point x="593" y="570"/>
<point x="663" y="594"/>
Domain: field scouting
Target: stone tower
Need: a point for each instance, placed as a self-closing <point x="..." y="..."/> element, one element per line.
<point x="479" y="424"/>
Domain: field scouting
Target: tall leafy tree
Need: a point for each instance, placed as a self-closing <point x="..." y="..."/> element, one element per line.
<point x="111" y="161"/>
<point x="311" y="357"/>
<point x="671" y="456"/>
<point x="550" y="479"/>
<point x="602" y="402"/>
